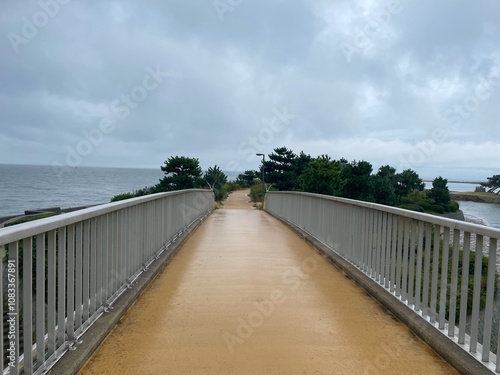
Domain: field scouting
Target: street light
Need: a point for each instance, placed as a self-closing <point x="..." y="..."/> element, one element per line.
<point x="263" y="183"/>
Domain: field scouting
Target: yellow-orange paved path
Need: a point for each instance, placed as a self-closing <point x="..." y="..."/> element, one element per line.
<point x="246" y="295"/>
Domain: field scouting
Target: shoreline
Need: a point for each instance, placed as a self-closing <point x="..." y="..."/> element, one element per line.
<point x="478" y="197"/>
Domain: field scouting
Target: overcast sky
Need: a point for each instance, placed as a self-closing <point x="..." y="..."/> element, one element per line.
<point x="413" y="84"/>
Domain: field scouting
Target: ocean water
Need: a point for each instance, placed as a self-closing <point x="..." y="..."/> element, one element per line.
<point x="26" y="187"/>
<point x="481" y="213"/>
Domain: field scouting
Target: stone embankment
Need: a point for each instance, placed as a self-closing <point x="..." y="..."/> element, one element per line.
<point x="476" y="197"/>
<point x="37" y="212"/>
<point x="459" y="215"/>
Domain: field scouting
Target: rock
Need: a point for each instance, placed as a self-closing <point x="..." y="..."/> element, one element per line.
<point x="56" y="210"/>
<point x="459" y="215"/>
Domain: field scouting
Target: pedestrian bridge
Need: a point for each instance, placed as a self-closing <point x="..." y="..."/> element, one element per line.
<point x="315" y="285"/>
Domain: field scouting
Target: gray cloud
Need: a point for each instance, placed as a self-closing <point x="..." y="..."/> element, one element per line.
<point x="420" y="71"/>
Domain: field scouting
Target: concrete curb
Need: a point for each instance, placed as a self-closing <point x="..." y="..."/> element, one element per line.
<point x="72" y="361"/>
<point x="460" y="359"/>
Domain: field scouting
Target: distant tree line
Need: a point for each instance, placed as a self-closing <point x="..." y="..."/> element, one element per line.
<point x="287" y="171"/>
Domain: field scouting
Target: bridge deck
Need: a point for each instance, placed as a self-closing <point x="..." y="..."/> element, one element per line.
<point x="245" y="295"/>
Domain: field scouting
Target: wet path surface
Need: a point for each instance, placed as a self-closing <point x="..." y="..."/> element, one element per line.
<point x="245" y="295"/>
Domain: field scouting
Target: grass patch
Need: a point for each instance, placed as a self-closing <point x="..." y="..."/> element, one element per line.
<point x="477" y="197"/>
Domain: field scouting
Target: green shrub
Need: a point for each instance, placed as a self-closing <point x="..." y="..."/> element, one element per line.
<point x="232" y="186"/>
<point x="454" y="206"/>
<point x="256" y="193"/>
<point x="437" y="208"/>
<point x="144" y="191"/>
<point x="121" y="197"/>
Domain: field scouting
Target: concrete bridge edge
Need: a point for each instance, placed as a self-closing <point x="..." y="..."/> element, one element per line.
<point x="72" y="361"/>
<point x="458" y="358"/>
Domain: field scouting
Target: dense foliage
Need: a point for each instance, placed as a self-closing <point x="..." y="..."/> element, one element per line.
<point x="286" y="170"/>
<point x="185" y="173"/>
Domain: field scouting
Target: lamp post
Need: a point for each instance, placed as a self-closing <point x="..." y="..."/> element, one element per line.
<point x="263" y="183"/>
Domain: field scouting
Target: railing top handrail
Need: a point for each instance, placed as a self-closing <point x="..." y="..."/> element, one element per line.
<point x="439" y="220"/>
<point x="24" y="230"/>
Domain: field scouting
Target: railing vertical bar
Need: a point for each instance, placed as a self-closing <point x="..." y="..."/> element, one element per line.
<point x="370" y="242"/>
<point x="99" y="262"/>
<point x="86" y="272"/>
<point x="476" y="294"/>
<point x="40" y="300"/>
<point x="362" y="250"/>
<point x="78" y="276"/>
<point x="383" y="247"/>
<point x="105" y="259"/>
<point x="394" y="249"/>
<point x="435" y="272"/>
<point x="119" y="250"/>
<point x="27" y="304"/>
<point x="121" y="276"/>
<point x="490" y="294"/>
<point x="113" y="253"/>
<point x="401" y="222"/>
<point x="126" y="243"/>
<point x="497" y="366"/>
<point x="137" y="237"/>
<point x="342" y="234"/>
<point x="444" y="277"/>
<point x="454" y="283"/>
<point x="360" y="228"/>
<point x="13" y="315"/>
<point x="93" y="266"/>
<point x="411" y="261"/>
<point x="418" y="277"/>
<point x="110" y="286"/>
<point x="350" y="228"/>
<point x="376" y="246"/>
<point x="161" y="225"/>
<point x="388" y="246"/>
<point x="427" y="269"/>
<point x="61" y="287"/>
<point x="380" y="247"/>
<point x="70" y="299"/>
<point x="406" y="243"/>
<point x="143" y="233"/>
<point x="51" y="293"/>
<point x="130" y="241"/>
<point x="464" y="290"/>
<point x="150" y="227"/>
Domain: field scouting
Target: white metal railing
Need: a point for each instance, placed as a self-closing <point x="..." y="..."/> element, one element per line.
<point x="78" y="264"/>
<point x="417" y="257"/>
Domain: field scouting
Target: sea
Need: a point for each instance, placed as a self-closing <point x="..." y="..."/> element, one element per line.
<point x="479" y="213"/>
<point x="29" y="187"/>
